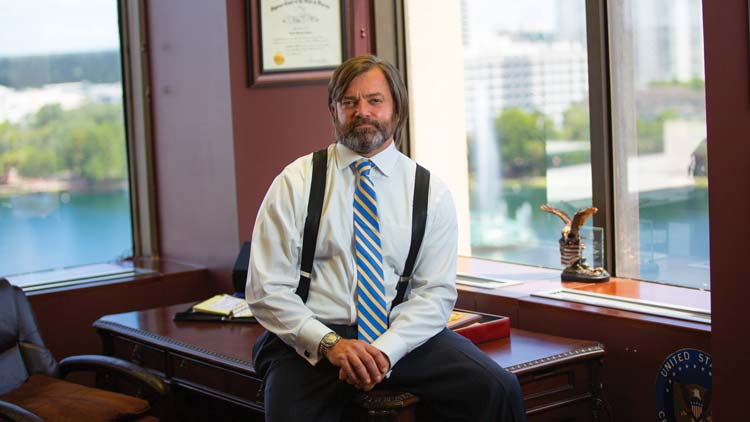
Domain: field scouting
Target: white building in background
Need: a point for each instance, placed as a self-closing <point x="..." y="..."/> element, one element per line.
<point x="15" y="104"/>
<point x="531" y="72"/>
<point x="570" y="18"/>
<point x="668" y="38"/>
<point x="549" y="72"/>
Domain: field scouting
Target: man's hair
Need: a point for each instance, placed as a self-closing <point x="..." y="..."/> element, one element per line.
<point x="350" y="69"/>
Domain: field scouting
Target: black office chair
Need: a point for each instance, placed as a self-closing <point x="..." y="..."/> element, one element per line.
<point x="32" y="387"/>
<point x="239" y="272"/>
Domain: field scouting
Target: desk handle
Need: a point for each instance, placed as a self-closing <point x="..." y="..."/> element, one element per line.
<point x="136" y="356"/>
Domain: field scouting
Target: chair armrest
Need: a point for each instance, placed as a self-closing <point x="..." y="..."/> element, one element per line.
<point x="154" y="386"/>
<point x="15" y="413"/>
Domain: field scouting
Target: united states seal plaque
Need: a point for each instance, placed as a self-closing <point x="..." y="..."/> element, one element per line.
<point x="683" y="387"/>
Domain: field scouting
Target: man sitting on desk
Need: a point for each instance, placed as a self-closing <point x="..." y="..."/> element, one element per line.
<point x="347" y="334"/>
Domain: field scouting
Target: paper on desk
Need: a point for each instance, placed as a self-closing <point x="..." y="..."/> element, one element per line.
<point x="224" y="305"/>
<point x="243" y="310"/>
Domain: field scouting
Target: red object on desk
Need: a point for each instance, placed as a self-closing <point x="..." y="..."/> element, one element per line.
<point x="486" y="331"/>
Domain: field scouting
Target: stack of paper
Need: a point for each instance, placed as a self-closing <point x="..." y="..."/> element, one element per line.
<point x="226" y="305"/>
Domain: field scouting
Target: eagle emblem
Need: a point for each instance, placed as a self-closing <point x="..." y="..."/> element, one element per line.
<point x="684" y="387"/>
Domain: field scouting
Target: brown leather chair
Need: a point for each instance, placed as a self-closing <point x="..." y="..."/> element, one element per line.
<point x="32" y="387"/>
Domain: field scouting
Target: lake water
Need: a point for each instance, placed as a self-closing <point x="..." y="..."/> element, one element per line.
<point x="45" y="231"/>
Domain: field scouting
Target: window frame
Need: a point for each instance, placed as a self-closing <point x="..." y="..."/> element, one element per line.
<point x="138" y="126"/>
<point x="390" y="43"/>
<point x="600" y="126"/>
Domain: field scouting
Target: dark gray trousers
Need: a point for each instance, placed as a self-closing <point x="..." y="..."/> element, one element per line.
<point x="451" y="375"/>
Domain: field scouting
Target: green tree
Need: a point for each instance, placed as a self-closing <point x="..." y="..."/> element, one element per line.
<point x="10" y="154"/>
<point x="37" y="162"/>
<point x="4" y="147"/>
<point x="521" y="137"/>
<point x="47" y="115"/>
<point x="86" y="143"/>
<point x="576" y="125"/>
<point x="697" y="84"/>
<point x="93" y="143"/>
<point x="650" y="132"/>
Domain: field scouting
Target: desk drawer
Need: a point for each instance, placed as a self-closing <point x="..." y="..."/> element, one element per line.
<point x="139" y="354"/>
<point x="556" y="386"/>
<point x="220" y="380"/>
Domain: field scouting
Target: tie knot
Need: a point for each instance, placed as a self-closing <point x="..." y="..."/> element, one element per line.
<point x="363" y="167"/>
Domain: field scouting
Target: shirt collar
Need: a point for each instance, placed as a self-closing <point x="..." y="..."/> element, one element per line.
<point x="384" y="160"/>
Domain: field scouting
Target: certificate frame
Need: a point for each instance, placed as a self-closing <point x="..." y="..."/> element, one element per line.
<point x="260" y="74"/>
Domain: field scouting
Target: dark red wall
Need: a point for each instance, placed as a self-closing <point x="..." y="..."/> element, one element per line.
<point x="725" y="28"/>
<point x="193" y="139"/>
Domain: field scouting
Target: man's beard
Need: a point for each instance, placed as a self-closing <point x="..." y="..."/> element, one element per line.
<point x="367" y="139"/>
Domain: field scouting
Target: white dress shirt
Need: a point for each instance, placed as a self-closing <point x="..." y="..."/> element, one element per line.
<point x="276" y="255"/>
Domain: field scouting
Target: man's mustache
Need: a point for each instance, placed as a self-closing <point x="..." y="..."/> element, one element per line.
<point x="364" y="120"/>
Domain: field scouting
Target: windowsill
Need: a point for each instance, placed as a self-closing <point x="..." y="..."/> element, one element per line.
<point x="541" y="280"/>
<point x="75" y="276"/>
<point x="89" y="276"/>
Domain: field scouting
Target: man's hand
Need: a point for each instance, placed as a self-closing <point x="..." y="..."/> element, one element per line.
<point x="362" y="364"/>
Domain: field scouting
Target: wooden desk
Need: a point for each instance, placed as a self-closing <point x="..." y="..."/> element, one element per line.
<point x="211" y="364"/>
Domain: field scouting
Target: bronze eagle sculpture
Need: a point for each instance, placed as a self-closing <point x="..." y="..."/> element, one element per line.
<point x="571" y="246"/>
<point x="572" y="227"/>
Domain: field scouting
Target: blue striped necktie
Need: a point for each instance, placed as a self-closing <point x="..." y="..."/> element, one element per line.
<point x="372" y="318"/>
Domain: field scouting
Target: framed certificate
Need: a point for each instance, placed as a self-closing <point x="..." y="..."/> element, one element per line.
<point x="294" y="41"/>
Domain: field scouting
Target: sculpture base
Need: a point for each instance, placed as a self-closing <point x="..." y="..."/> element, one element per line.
<point x="585" y="275"/>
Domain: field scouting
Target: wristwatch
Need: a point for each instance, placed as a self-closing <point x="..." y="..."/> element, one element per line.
<point x="329" y="340"/>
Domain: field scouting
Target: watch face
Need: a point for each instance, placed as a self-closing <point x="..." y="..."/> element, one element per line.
<point x="330" y="338"/>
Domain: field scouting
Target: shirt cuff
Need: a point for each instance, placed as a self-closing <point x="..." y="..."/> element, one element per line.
<point x="392" y="345"/>
<point x="309" y="339"/>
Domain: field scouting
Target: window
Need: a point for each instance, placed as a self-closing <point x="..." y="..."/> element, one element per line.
<point x="659" y="141"/>
<point x="64" y="185"/>
<point x="530" y="138"/>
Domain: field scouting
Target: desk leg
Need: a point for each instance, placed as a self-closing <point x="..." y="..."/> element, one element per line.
<point x="600" y="408"/>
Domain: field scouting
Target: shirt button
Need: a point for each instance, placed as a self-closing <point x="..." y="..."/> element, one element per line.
<point x="307" y="354"/>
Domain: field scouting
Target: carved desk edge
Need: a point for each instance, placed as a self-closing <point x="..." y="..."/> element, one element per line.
<point x="560" y="358"/>
<point x="242" y="365"/>
<point x="173" y="344"/>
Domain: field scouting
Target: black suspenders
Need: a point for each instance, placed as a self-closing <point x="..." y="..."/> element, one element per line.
<point x="314" y="211"/>
<point x="312" y="222"/>
<point x="418" y="222"/>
